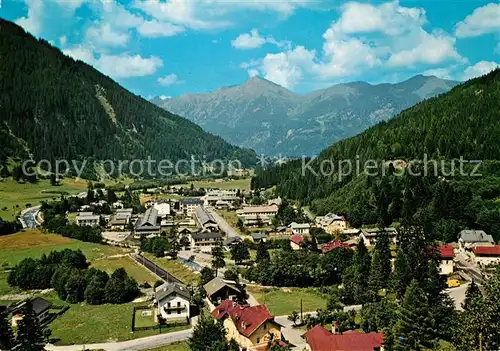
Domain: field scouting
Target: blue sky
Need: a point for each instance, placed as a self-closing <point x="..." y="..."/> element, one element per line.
<point x="171" y="47"/>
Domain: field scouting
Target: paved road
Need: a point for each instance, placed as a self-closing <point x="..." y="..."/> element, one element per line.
<point x="131" y="345"/>
<point x="223" y="225"/>
<point x="155" y="269"/>
<point x="458" y="295"/>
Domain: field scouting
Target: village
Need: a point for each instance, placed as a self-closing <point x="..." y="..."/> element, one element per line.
<point x="234" y="218"/>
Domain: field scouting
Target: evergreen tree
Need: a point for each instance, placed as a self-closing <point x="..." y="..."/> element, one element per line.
<point x="6" y="334"/>
<point x="381" y="263"/>
<point x="239" y="253"/>
<point x="29" y="332"/>
<point x="414" y="328"/>
<point x="362" y="263"/>
<point x="95" y="291"/>
<point x="401" y="276"/>
<point x="262" y="252"/>
<point x="206" y="275"/>
<point x="208" y="335"/>
<point x="217" y="258"/>
<point x="472" y="327"/>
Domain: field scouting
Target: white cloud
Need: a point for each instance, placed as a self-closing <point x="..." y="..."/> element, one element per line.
<point x="389" y="18"/>
<point x="384" y="36"/>
<point x="165" y="97"/>
<point x="117" y="66"/>
<point x="63" y="40"/>
<point x="210" y="14"/>
<point x="156" y="28"/>
<point x="105" y="35"/>
<point x="113" y="13"/>
<point x="426" y="48"/>
<point x="483" y="20"/>
<point x="125" y="65"/>
<point x="345" y="55"/>
<point x="250" y="40"/>
<point x="286" y="68"/>
<point x="253" y="72"/>
<point x="169" y="79"/>
<point x="479" y="69"/>
<point x="82" y="53"/>
<point x="254" y="40"/>
<point x="70" y="5"/>
<point x="32" y="22"/>
<point x="443" y="73"/>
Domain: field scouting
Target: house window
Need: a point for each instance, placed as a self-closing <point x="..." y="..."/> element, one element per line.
<point x="258" y="340"/>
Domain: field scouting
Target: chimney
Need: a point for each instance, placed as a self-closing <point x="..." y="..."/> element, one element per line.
<point x="335" y="328"/>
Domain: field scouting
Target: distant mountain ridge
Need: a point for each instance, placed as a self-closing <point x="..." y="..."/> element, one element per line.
<point x="272" y="120"/>
<point x="53" y="107"/>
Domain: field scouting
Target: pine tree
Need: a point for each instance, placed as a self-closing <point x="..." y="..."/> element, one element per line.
<point x="262" y="252"/>
<point x="6" y="334"/>
<point x="414" y="328"/>
<point x="217" y="258"/>
<point x="472" y="324"/>
<point x="381" y="263"/>
<point x="362" y="274"/>
<point x="29" y="332"/>
<point x="401" y="277"/>
<point x="208" y="335"/>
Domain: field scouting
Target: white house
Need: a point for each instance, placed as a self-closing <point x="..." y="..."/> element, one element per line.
<point x="369" y="236"/>
<point x="331" y="223"/>
<point x="188" y="205"/>
<point x="486" y="255"/>
<point x="446" y="255"/>
<point x="173" y="302"/>
<point x="87" y="218"/>
<point x="300" y="228"/>
<point x="163" y="209"/>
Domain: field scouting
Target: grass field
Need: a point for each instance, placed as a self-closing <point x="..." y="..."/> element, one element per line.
<point x="144" y="321"/>
<point x="176" y="268"/>
<point x="33" y="243"/>
<point x="181" y="346"/>
<point x="16" y="196"/>
<point x="233" y="184"/>
<point x="284" y="301"/>
<point x="146" y="197"/>
<point x="83" y="324"/>
<point x="134" y="270"/>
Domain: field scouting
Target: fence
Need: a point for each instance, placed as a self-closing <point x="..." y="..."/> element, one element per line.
<point x="157" y="326"/>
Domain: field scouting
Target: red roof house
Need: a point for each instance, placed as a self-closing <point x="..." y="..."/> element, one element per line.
<point x="247" y="319"/>
<point x="333" y="245"/>
<point x="487" y="250"/>
<point x="446" y="252"/>
<point x="297" y="239"/>
<point x="320" y="339"/>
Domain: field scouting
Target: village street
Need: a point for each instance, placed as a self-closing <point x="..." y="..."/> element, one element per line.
<point x="132" y="345"/>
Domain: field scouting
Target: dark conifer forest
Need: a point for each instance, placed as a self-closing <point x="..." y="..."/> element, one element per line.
<point x="53" y="107"/>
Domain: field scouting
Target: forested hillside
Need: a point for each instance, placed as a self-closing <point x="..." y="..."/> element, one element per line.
<point x="54" y="107"/>
<point x="462" y="123"/>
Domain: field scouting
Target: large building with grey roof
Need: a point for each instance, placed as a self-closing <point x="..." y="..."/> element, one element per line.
<point x="148" y="223"/>
<point x="205" y="220"/>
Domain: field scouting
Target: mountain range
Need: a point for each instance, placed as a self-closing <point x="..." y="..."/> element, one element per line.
<point x="53" y="107"/>
<point x="273" y="120"/>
